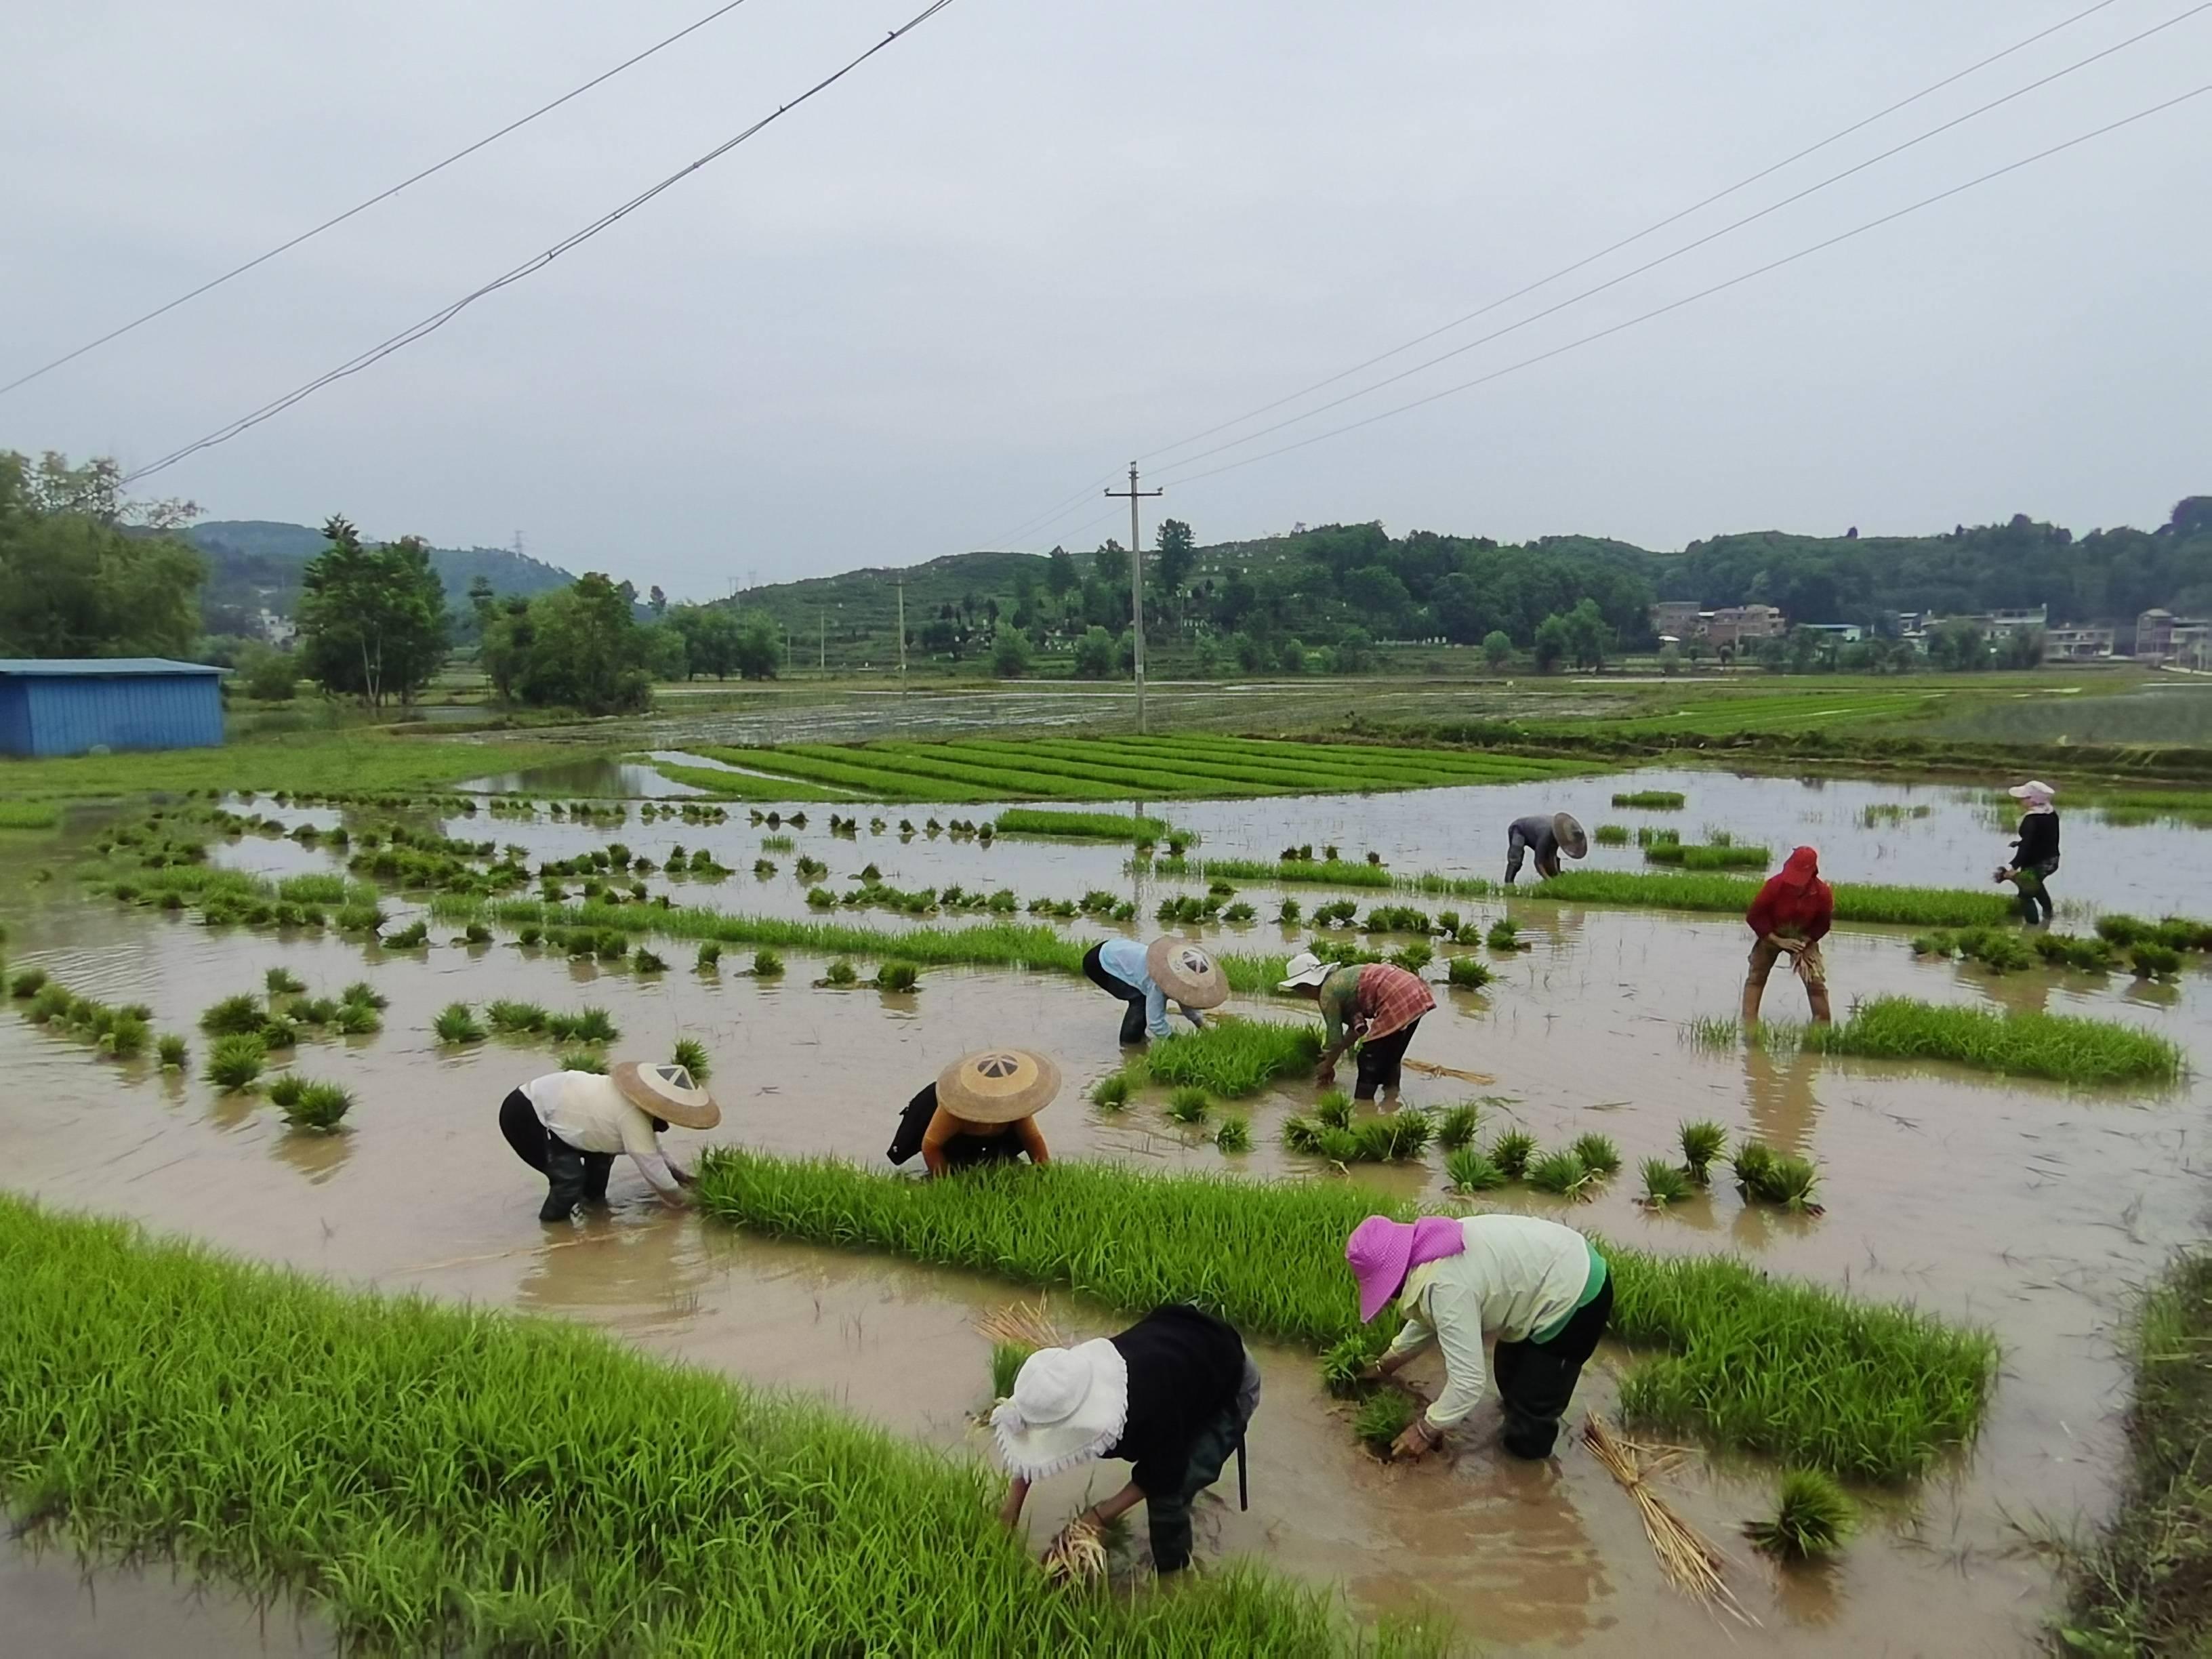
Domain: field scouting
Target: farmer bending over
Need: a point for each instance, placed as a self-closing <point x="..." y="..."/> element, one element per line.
<point x="1538" y="1290"/>
<point x="2035" y="852"/>
<point x="1171" y="1395"/>
<point x="1789" y="916"/>
<point x="981" y="1109"/>
<point x="1145" y="976"/>
<point x="1547" y="837"/>
<point x="1377" y="1005"/>
<point x="568" y="1127"/>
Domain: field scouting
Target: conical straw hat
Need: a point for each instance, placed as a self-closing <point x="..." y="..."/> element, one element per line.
<point x="666" y="1093"/>
<point x="1187" y="973"/>
<point x="997" y="1085"/>
<point x="1573" y="842"/>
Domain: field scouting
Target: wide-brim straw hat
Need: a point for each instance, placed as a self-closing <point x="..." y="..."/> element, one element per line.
<point x="2033" y="789"/>
<point x="668" y="1092"/>
<point x="1069" y="1406"/>
<point x="1187" y="973"/>
<point x="1573" y="842"/>
<point x="998" y="1085"/>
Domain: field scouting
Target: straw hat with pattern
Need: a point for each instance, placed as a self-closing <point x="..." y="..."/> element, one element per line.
<point x="998" y="1085"/>
<point x="1573" y="842"/>
<point x="666" y="1093"/>
<point x="1187" y="973"/>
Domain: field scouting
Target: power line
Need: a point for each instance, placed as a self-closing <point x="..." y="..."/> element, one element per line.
<point x="1691" y="247"/>
<point x="117" y="333"/>
<point x="1625" y="241"/>
<point x="1716" y="288"/>
<point x="445" y="314"/>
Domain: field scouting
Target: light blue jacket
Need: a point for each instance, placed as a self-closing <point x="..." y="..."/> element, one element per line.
<point x="1124" y="958"/>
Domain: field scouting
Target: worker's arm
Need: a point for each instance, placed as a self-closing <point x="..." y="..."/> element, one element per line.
<point x="942" y="1127"/>
<point x="1459" y="1334"/>
<point x="1156" y="1010"/>
<point x="1413" y="1336"/>
<point x="1025" y="1130"/>
<point x="1817" y="929"/>
<point x="1335" y="1005"/>
<point x="643" y="1146"/>
<point x="1018" y="1492"/>
<point x="1108" y="1511"/>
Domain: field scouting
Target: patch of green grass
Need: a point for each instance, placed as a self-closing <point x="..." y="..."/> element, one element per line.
<point x="1813" y="1517"/>
<point x="30" y="814"/>
<point x="341" y="764"/>
<point x="1916" y="907"/>
<point x="1761" y="1363"/>
<point x="2060" y="1047"/>
<point x="549" y="1490"/>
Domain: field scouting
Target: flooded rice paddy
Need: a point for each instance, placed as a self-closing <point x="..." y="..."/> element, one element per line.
<point x="2030" y="1208"/>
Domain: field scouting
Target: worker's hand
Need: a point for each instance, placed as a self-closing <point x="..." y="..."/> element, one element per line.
<point x="1414" y="1444"/>
<point x="684" y="1177"/>
<point x="1373" y="1372"/>
<point x="1324" y="1074"/>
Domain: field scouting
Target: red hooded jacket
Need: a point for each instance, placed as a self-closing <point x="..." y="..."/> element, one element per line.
<point x="1795" y="899"/>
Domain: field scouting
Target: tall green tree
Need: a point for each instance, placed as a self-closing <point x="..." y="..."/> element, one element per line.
<point x="87" y="572"/>
<point x="372" y="619"/>
<point x="585" y="651"/>
<point x="758" y="652"/>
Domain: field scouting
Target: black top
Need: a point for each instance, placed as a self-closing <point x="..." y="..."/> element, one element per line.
<point x="963" y="1152"/>
<point x="2038" y="841"/>
<point x="1185" y="1368"/>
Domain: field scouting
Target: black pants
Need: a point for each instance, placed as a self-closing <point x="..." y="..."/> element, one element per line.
<point x="572" y="1177"/>
<point x="1132" y="1016"/>
<point x="1382" y="1062"/>
<point x="1167" y="1517"/>
<point x="2035" y="893"/>
<point x="1536" y="1380"/>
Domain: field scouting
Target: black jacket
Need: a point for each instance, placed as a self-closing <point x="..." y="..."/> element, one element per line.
<point x="2038" y="841"/>
<point x="1185" y="1368"/>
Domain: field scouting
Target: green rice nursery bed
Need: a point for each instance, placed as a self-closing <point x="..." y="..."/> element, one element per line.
<point x="1787" y="1370"/>
<point x="2061" y="1047"/>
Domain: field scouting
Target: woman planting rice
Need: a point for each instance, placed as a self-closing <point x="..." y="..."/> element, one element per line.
<point x="568" y="1127"/>
<point x="1547" y="837"/>
<point x="2035" y="851"/>
<point x="1146" y="977"/>
<point x="1171" y="1395"/>
<point x="981" y="1109"/>
<point x="1538" y="1290"/>
<point x="1377" y="1005"/>
<point x="1789" y="916"/>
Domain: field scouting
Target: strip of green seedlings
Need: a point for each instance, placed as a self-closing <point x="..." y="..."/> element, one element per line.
<point x="28" y="814"/>
<point x="2175" y="933"/>
<point x="1657" y="800"/>
<point x="1231" y="1058"/>
<point x="1079" y="776"/>
<point x="1237" y="767"/>
<point x="1329" y="872"/>
<point x="1088" y="826"/>
<point x="2142" y="1588"/>
<point x="561" y="1491"/>
<point x="939" y="778"/>
<point x="2060" y="1047"/>
<point x="1762" y="1364"/>
<point x="117" y="1033"/>
<point x="1688" y="856"/>
<point x="1458" y="765"/>
<point x="1921" y="907"/>
<point x="741" y="785"/>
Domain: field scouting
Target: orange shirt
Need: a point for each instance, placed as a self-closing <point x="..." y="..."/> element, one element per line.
<point x="943" y="1126"/>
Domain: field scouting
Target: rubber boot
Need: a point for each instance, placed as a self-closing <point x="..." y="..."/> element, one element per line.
<point x="567" y="1180"/>
<point x="1817" y="995"/>
<point x="1753" y="992"/>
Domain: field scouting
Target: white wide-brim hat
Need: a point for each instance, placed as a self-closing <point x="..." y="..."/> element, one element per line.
<point x="1187" y="973"/>
<point x="1069" y="1406"/>
<point x="666" y="1093"/>
<point x="2033" y="789"/>
<point x="1303" y="970"/>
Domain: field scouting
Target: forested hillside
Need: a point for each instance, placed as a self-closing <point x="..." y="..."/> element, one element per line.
<point x="255" y="563"/>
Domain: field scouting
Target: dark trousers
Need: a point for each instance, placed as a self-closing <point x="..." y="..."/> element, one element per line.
<point x="572" y="1177"/>
<point x="1382" y="1062"/>
<point x="1536" y="1380"/>
<point x="2034" y="894"/>
<point x="1168" y="1517"/>
<point x="1132" y="1016"/>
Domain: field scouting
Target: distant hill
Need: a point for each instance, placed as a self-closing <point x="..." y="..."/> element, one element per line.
<point x="254" y="563"/>
<point x="857" y="610"/>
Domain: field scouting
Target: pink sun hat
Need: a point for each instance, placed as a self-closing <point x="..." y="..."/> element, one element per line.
<point x="1383" y="1252"/>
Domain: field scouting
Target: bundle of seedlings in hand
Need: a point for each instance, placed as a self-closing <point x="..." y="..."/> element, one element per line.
<point x="317" y="1107"/>
<point x="1111" y="1093"/>
<point x="1812" y="1518"/>
<point x="1664" y="1184"/>
<point x="1345" y="1360"/>
<point x="1702" y="1142"/>
<point x="1187" y="1104"/>
<point x="1466" y="974"/>
<point x="898" y="976"/>
<point x="1234" y="1134"/>
<point x="767" y="965"/>
<point x="515" y="1018"/>
<point x="1512" y="1152"/>
<point x="235" y="1060"/>
<point x="1470" y="1169"/>
<point x="1078" y="1554"/>
<point x="691" y="1054"/>
<point x="1386" y="1413"/>
<point x="1598" y="1153"/>
<point x="1457" y="1125"/>
<point x="1562" y="1174"/>
<point x="457" y="1023"/>
<point x="283" y="982"/>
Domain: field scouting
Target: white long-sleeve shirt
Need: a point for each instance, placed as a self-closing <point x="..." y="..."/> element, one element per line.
<point x="589" y="1113"/>
<point x="1518" y="1275"/>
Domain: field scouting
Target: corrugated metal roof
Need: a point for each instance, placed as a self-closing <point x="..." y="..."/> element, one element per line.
<point x="82" y="665"/>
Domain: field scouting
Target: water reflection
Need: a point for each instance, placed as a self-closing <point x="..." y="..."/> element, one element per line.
<point x="315" y="1155"/>
<point x="1778" y="1093"/>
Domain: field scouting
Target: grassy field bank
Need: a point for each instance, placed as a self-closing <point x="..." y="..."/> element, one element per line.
<point x="451" y="1480"/>
<point x="322" y="762"/>
<point x="1760" y="1364"/>
<point x="1921" y="907"/>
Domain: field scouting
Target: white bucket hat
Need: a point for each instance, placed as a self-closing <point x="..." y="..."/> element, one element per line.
<point x="1304" y="968"/>
<point x="2033" y="789"/>
<point x="1069" y="1405"/>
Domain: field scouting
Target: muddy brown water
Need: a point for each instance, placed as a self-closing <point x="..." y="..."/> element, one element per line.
<point x="2031" y="1208"/>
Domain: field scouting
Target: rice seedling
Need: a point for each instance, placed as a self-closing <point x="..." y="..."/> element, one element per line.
<point x="275" y="1360"/>
<point x="2062" y="1048"/>
<point x="691" y="1054"/>
<point x="1702" y="1142"/>
<point x="1689" y="856"/>
<point x="1505" y="935"/>
<point x="1344" y="1361"/>
<point x="1813" y="1516"/>
<point x="1512" y="1152"/>
<point x="1007" y="1360"/>
<point x="515" y="1018"/>
<point x="778" y="844"/>
<point x="647" y="961"/>
<point x="1289" y="913"/>
<point x="456" y="1023"/>
<point x="235" y="1060"/>
<point x="1939" y="943"/>
<point x="1657" y="800"/>
<point x="172" y="1051"/>
<point x="1412" y="957"/>
<point x="767" y="965"/>
<point x="1333" y="1108"/>
<point x="233" y="1016"/>
<point x="2152" y="960"/>
<point x="2121" y="929"/>
<point x="1231" y="1058"/>
<point x="124" y="1038"/>
<point x="1187" y="1104"/>
<point x="1111" y="1093"/>
<point x="1610" y="834"/>
<point x="1393" y="1137"/>
<point x="583" y="1059"/>
<point x="1234" y="1134"/>
<point x="1664" y="1183"/>
<point x="1653" y="835"/>
<point x="840" y="973"/>
<point x="26" y="983"/>
<point x="1457" y="1125"/>
<point x="413" y="936"/>
<point x="1716" y="1031"/>
<point x="367" y="995"/>
<point x="284" y="1089"/>
<point x="282" y="983"/>
<point x="529" y="937"/>
<point x="1086" y="826"/>
<point x="1561" y="1174"/>
<point x="475" y="933"/>
<point x="1471" y="1170"/>
<point x="1385" y="1415"/>
<point x="356" y="1020"/>
<point x="277" y="1033"/>
<point x="1598" y="1155"/>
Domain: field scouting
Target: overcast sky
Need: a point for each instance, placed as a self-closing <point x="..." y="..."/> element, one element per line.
<point x="1031" y="240"/>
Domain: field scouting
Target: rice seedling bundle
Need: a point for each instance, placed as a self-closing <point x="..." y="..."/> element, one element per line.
<point x="1234" y="1134"/>
<point x="173" y="1052"/>
<point x="285" y="1089"/>
<point x="1187" y="1104"/>
<point x="898" y="976"/>
<point x="1664" y="1183"/>
<point x="1333" y="1108"/>
<point x="1661" y="800"/>
<point x="232" y="1016"/>
<point x="691" y="1054"/>
<point x="1598" y="1153"/>
<point x="1919" y="907"/>
<point x="767" y="965"/>
<point x="1457" y="1126"/>
<point x="1652" y="836"/>
<point x="1690" y="1564"/>
<point x="1111" y="1093"/>
<point x="2060" y="1047"/>
<point x="1393" y="1137"/>
<point x="1471" y="1170"/>
<point x="1092" y="826"/>
<point x="1386" y="1414"/>
<point x="1512" y="1153"/>
<point x="1413" y="957"/>
<point x="840" y="973"/>
<point x="356" y="1020"/>
<point x="1687" y="856"/>
<point x="1813" y="1516"/>
<point x="1610" y="834"/>
<point x="282" y="982"/>
<point x="1504" y="935"/>
<point x="235" y="1060"/>
<point x="26" y="983"/>
<point x="456" y="1023"/>
<point x="1562" y="1175"/>
<point x="513" y="1018"/>
<point x="584" y="1059"/>
<point x="413" y="936"/>
<point x="2152" y="960"/>
<point x="1702" y="1142"/>
<point x="254" y="1471"/>
<point x="1231" y="1058"/>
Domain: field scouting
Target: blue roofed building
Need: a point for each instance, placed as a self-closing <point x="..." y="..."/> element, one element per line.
<point x="73" y="705"/>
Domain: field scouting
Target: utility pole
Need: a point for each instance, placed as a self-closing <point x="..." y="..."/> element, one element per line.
<point x="822" y="659"/>
<point x="1136" y="584"/>
<point x="902" y="627"/>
